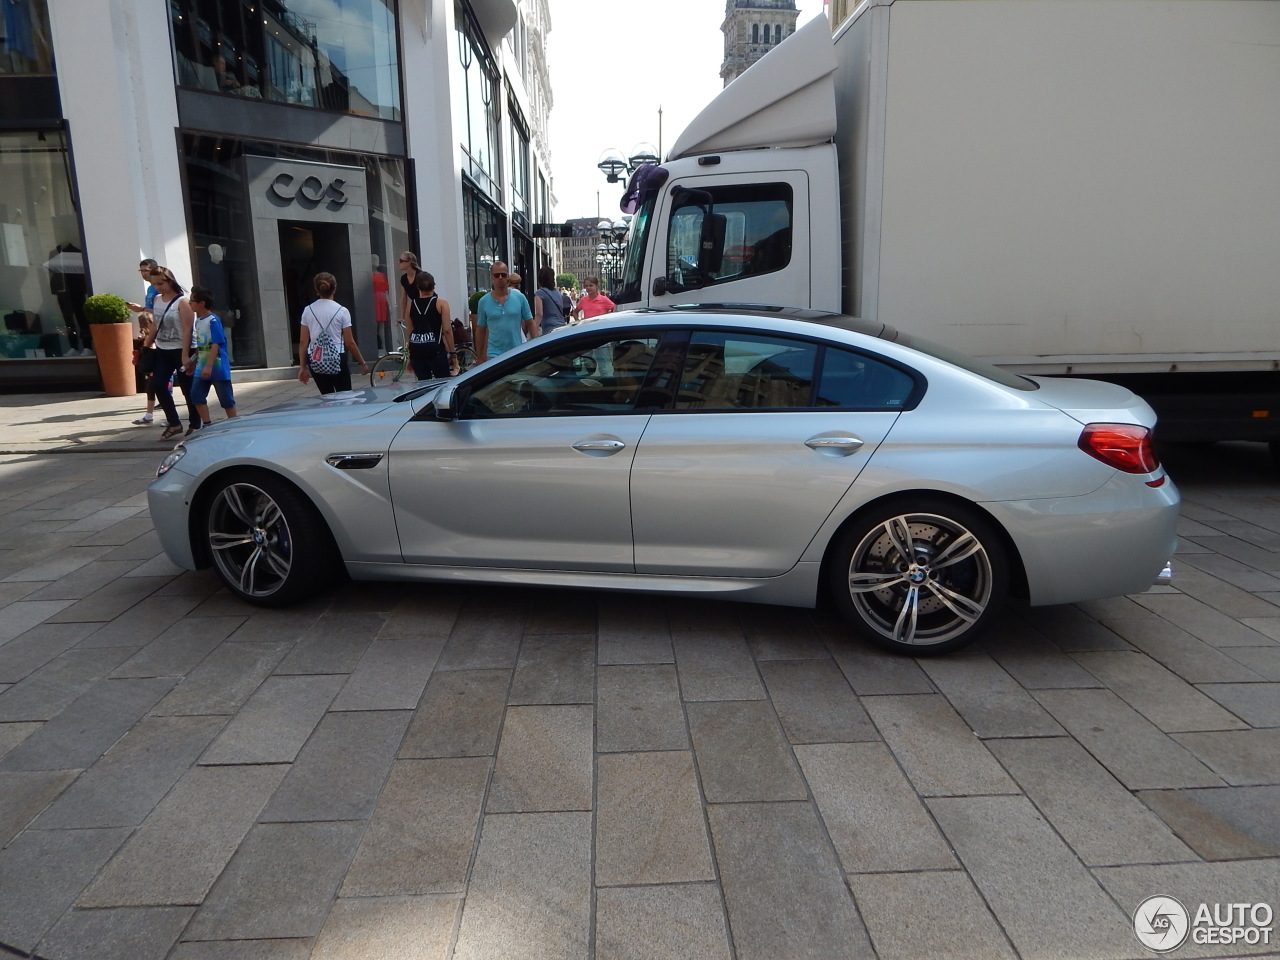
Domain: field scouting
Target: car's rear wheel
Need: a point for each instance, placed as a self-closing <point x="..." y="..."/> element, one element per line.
<point x="268" y="544"/>
<point x="920" y="578"/>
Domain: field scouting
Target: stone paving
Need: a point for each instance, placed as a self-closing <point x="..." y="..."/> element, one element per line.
<point x="465" y="772"/>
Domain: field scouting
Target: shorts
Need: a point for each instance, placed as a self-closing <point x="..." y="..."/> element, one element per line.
<point x="200" y="392"/>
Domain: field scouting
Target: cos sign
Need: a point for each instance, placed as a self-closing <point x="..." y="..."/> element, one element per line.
<point x="310" y="191"/>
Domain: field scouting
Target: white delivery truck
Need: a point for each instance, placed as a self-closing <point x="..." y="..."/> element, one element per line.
<point x="1070" y="187"/>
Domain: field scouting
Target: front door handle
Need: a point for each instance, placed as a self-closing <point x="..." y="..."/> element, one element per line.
<point x="836" y="446"/>
<point x="599" y="448"/>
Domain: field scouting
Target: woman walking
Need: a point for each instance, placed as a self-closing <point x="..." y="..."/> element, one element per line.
<point x="408" y="264"/>
<point x="431" y="334"/>
<point x="172" y="341"/>
<point x="548" y="304"/>
<point x="325" y="340"/>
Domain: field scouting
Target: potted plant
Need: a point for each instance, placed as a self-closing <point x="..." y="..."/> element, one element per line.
<point x="108" y="316"/>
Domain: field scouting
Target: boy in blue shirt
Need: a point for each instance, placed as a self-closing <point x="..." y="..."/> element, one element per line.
<point x="212" y="368"/>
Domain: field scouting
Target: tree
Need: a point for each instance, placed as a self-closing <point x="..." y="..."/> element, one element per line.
<point x="567" y="281"/>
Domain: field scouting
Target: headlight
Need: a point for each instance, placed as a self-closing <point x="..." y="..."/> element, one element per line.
<point x="169" y="462"/>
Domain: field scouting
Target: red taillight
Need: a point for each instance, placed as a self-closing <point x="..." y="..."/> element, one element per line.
<point x="1125" y="446"/>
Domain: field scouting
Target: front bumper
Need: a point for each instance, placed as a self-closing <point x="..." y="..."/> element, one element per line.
<point x="169" y="499"/>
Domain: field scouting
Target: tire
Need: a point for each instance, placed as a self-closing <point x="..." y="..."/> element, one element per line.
<point x="268" y="543"/>
<point x="388" y="369"/>
<point x="938" y="598"/>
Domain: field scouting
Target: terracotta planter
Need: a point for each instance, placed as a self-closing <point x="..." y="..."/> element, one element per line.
<point x="113" y="343"/>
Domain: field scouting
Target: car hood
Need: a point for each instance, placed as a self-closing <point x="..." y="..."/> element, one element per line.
<point x="1094" y="401"/>
<point x="332" y="410"/>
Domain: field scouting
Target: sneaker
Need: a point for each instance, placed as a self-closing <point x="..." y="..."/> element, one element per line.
<point x="144" y="419"/>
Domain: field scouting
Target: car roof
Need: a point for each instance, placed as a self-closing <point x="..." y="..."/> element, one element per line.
<point x="870" y="328"/>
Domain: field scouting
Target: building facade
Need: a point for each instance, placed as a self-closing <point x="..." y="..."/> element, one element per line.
<point x="751" y="29"/>
<point x="250" y="144"/>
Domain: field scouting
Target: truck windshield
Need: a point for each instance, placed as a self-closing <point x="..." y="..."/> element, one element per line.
<point x="628" y="290"/>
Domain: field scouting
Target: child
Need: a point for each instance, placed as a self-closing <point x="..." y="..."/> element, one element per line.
<point x="144" y="360"/>
<point x="212" y="369"/>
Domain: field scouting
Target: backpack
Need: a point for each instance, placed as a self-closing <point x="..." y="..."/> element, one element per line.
<point x="326" y="350"/>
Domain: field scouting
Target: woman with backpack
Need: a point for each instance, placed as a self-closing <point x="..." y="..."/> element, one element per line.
<point x="548" y="303"/>
<point x="325" y="340"/>
<point x="430" y="333"/>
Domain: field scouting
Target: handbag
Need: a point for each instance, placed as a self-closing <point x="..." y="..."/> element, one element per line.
<point x="326" y="350"/>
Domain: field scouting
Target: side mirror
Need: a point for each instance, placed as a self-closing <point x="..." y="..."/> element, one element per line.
<point x="442" y="407"/>
<point x="659" y="286"/>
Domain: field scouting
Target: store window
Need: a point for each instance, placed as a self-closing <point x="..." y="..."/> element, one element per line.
<point x="331" y="54"/>
<point x="24" y="38"/>
<point x="484" y="237"/>
<point x="42" y="265"/>
<point x="478" y="104"/>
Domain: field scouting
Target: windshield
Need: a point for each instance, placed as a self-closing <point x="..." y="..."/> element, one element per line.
<point x="628" y="290"/>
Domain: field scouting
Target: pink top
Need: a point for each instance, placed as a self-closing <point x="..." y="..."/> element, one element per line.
<point x="594" y="306"/>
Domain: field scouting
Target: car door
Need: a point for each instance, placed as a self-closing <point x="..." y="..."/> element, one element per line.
<point x="765" y="436"/>
<point x="535" y="471"/>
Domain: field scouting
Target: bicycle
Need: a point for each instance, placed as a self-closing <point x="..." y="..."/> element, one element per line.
<point x="392" y="367"/>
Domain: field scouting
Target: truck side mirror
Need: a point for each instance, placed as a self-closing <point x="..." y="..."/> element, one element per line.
<point x="659" y="286"/>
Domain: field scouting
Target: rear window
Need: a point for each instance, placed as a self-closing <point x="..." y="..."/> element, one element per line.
<point x="983" y="369"/>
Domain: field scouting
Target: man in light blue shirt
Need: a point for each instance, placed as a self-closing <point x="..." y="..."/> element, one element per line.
<point x="501" y="315"/>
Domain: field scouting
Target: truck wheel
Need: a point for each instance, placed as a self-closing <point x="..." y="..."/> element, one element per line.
<point x="920" y="578"/>
<point x="268" y="544"/>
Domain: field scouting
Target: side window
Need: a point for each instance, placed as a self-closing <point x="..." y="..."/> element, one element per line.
<point x="740" y="371"/>
<point x="859" y="382"/>
<point x="580" y="378"/>
<point x="727" y="233"/>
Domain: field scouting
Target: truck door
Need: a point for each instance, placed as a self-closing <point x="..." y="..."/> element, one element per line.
<point x="733" y="239"/>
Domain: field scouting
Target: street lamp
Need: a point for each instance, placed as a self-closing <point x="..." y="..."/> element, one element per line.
<point x="612" y="164"/>
<point x="612" y="245"/>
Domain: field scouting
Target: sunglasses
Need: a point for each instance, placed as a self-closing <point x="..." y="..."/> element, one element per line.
<point x="405" y="260"/>
<point x="497" y="275"/>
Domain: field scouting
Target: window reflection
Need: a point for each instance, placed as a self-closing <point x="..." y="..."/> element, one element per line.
<point x="332" y="54"/>
<point x="24" y="37"/>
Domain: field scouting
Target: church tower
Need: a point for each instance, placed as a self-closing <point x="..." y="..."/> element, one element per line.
<point x="751" y="29"/>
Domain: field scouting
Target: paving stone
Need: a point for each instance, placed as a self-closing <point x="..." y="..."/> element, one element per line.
<point x="638" y="708"/>
<point x="483" y="638"/>
<point x="874" y="672"/>
<point x="1264" y="661"/>
<point x="1162" y="697"/>
<point x="295" y="949"/>
<point x="782" y="885"/>
<point x="1240" y="757"/>
<point x="555" y="669"/>
<point x="12" y="592"/>
<point x="1070" y="628"/>
<point x="716" y="667"/>
<point x="990" y="701"/>
<point x="530" y="892"/>
<point x="57" y="567"/>
<point x="32" y="650"/>
<point x="157" y="566"/>
<point x="561" y="613"/>
<point x="1258" y="704"/>
<point x="145" y="621"/>
<point x="1213" y="595"/>
<point x="122" y="532"/>
<point x="276" y="626"/>
<point x="1189" y="657"/>
<point x="544" y="760"/>
<point x="25" y="793"/>
<point x="742" y="754"/>
<point x="1242" y="575"/>
<point x="1210" y="834"/>
<point x="80" y="734"/>
<point x="875" y="819"/>
<point x="341" y="769"/>
<point x="334" y="644"/>
<point x="1031" y="659"/>
<point x="1114" y="608"/>
<point x="134" y="775"/>
<point x="41" y="874"/>
<point x="12" y="734"/>
<point x="390" y="676"/>
<point x="179" y="851"/>
<point x="649" y="820"/>
<point x="936" y="748"/>
<point x="815" y="702"/>
<point x="223" y="681"/>
<point x="1137" y="753"/>
<point x="661" y="922"/>
<point x="110" y="601"/>
<point x="1267" y="626"/>
<point x="130" y="933"/>
<point x="84" y="581"/>
<point x="1047" y="902"/>
<point x="783" y="633"/>
<point x="280" y="883"/>
<point x="177" y="651"/>
<point x="398" y="928"/>
<point x="460" y="715"/>
<point x="21" y="616"/>
<point x="425" y="612"/>
<point x="1097" y="816"/>
<point x="911" y="916"/>
<point x="276" y="721"/>
<point x="423" y="831"/>
<point x="633" y="630"/>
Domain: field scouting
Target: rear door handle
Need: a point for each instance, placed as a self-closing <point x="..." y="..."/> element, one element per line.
<point x="599" y="448"/>
<point x="838" y="446"/>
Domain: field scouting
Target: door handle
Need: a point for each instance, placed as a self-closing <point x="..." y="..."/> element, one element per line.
<point x="838" y="446"/>
<point x="600" y="448"/>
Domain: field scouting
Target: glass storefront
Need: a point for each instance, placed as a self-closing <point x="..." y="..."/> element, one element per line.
<point x="476" y="101"/>
<point x="484" y="231"/>
<point x="24" y="40"/>
<point x="222" y="232"/>
<point x="42" y="266"/>
<point x="330" y="54"/>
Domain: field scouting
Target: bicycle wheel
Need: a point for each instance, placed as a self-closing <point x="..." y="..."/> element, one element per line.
<point x="388" y="369"/>
<point x="466" y="358"/>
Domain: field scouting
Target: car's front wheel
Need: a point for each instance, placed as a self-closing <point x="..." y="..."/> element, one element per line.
<point x="920" y="578"/>
<point x="268" y="544"/>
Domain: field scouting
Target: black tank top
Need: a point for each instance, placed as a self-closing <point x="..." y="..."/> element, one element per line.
<point x="425" y="335"/>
